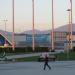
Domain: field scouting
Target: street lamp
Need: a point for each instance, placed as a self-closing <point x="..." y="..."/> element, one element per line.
<point x="13" y="47"/>
<point x="33" y="31"/>
<point x="69" y="32"/>
<point x="52" y="28"/>
<point x="71" y="26"/>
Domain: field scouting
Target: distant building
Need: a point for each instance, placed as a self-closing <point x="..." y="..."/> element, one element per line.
<point x="42" y="39"/>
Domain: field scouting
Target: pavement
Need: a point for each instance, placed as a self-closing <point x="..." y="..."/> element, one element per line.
<point x="22" y="55"/>
<point x="28" y="55"/>
<point x="36" y="68"/>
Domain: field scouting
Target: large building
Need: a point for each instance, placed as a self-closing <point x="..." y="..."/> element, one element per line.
<point x="42" y="38"/>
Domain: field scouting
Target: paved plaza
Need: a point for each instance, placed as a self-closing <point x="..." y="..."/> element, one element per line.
<point x="36" y="68"/>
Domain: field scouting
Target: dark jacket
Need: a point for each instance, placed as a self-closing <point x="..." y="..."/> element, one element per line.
<point x="46" y="59"/>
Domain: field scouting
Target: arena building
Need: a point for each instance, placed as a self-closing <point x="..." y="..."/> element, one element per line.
<point x="42" y="39"/>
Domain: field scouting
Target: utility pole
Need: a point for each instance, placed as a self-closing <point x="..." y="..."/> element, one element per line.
<point x="13" y="46"/>
<point x="69" y="32"/>
<point x="71" y="26"/>
<point x="33" y="31"/>
<point x="52" y="28"/>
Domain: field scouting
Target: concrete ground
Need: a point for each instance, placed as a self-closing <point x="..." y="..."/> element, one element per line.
<point x="36" y="68"/>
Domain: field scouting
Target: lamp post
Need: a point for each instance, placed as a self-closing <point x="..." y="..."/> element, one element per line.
<point x="71" y="26"/>
<point x="13" y="47"/>
<point x="33" y="32"/>
<point x="69" y="32"/>
<point x="52" y="28"/>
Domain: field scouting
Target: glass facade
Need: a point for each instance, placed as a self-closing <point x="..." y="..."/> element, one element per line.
<point x="41" y="40"/>
<point x="2" y="41"/>
<point x="38" y="38"/>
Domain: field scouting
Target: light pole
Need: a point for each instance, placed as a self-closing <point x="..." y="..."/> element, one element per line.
<point x="13" y="46"/>
<point x="52" y="27"/>
<point x="33" y="31"/>
<point x="69" y="32"/>
<point x="71" y="26"/>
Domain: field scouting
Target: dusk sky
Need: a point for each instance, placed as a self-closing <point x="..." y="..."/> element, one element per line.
<point x="23" y="14"/>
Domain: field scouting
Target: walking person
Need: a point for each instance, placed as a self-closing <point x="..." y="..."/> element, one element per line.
<point x="46" y="62"/>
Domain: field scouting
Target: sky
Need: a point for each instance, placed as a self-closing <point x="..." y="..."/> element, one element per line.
<point x="42" y="10"/>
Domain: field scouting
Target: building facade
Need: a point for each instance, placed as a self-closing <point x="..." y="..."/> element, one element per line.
<point x="41" y="40"/>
